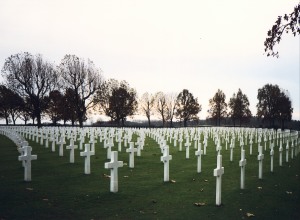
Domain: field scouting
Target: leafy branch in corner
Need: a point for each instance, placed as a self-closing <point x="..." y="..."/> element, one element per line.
<point x="284" y="24"/>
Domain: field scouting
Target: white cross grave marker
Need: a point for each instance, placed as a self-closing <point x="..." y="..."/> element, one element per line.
<point x="242" y="164"/>
<point x="260" y="158"/>
<point x="231" y="151"/>
<point x="71" y="147"/>
<point x="81" y="140"/>
<point x="87" y="153"/>
<point x="139" y="147"/>
<point x="113" y="165"/>
<point x="165" y="159"/>
<point x="272" y="155"/>
<point x="22" y="152"/>
<point x="42" y="137"/>
<point x="287" y="152"/>
<point x="199" y="153"/>
<point x="292" y="150"/>
<point x="53" y="139"/>
<point x="196" y="139"/>
<point x="204" y="145"/>
<point x="251" y="142"/>
<point x="61" y="146"/>
<point x="125" y="140"/>
<point x="109" y="144"/>
<point x="131" y="151"/>
<point x="218" y="172"/>
<point x="187" y="148"/>
<point x="27" y="157"/>
<point x="46" y="140"/>
<point x="180" y="142"/>
<point x="280" y="153"/>
<point x="119" y="140"/>
<point x="175" y="140"/>
<point x="93" y="141"/>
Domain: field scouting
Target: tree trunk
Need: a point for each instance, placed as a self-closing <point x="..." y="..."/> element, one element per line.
<point x="80" y="117"/>
<point x="149" y="122"/>
<point x="38" y="118"/>
<point x="282" y="124"/>
<point x="80" y="122"/>
<point x="184" y="122"/>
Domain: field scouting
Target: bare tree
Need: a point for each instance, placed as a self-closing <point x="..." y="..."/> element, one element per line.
<point x="31" y="77"/>
<point x="161" y="106"/>
<point x="171" y="107"/>
<point x="27" y="111"/>
<point x="84" y="78"/>
<point x="146" y="104"/>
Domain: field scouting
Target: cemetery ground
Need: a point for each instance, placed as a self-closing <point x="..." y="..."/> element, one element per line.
<point x="61" y="190"/>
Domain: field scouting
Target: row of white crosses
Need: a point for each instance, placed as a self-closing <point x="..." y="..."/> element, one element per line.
<point x="189" y="136"/>
<point x="22" y="146"/>
<point x="89" y="151"/>
<point x="243" y="160"/>
<point x="187" y="144"/>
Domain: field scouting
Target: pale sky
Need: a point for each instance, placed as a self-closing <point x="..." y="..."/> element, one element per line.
<point x="161" y="45"/>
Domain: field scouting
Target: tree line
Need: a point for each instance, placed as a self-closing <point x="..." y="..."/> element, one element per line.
<point x="33" y="88"/>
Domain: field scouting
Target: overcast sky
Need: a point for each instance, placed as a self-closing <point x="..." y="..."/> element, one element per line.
<point x="160" y="45"/>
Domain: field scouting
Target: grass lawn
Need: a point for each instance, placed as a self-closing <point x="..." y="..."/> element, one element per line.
<point x="60" y="190"/>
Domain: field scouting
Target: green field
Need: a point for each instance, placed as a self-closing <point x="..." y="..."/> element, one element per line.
<point x="60" y="190"/>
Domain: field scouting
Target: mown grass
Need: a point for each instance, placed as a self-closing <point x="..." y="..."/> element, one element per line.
<point x="60" y="190"/>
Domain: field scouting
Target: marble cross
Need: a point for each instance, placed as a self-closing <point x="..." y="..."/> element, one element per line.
<point x="287" y="152"/>
<point x="199" y="153"/>
<point x="113" y="165"/>
<point x="131" y="151"/>
<point x="260" y="158"/>
<point x="71" y="147"/>
<point x="280" y="153"/>
<point x="109" y="144"/>
<point x="218" y="172"/>
<point x="165" y="159"/>
<point x="87" y="153"/>
<point x="242" y="164"/>
<point x="180" y="142"/>
<point x="61" y="146"/>
<point x="272" y="155"/>
<point x="27" y="158"/>
<point x="187" y="148"/>
<point x="231" y="151"/>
